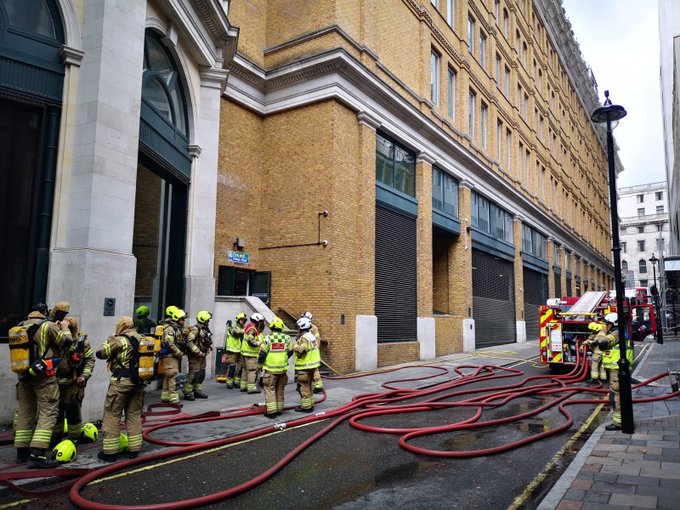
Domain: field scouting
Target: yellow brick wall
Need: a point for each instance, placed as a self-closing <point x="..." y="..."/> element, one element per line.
<point x="449" y="338"/>
<point x="397" y="352"/>
<point x="251" y="18"/>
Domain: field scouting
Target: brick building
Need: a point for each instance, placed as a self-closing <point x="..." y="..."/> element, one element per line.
<point x="451" y="145"/>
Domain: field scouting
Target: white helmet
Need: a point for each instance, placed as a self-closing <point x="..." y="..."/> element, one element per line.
<point x="256" y="317"/>
<point x="308" y="315"/>
<point x="304" y="323"/>
<point x="612" y="318"/>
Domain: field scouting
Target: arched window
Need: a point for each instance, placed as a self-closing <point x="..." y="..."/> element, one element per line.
<point x="32" y="16"/>
<point x="162" y="88"/>
<point x="642" y="266"/>
<point x="624" y="265"/>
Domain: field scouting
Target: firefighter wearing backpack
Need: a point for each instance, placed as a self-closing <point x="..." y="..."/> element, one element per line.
<point x="38" y="388"/>
<point x="250" y="350"/>
<point x="609" y="343"/>
<point x="314" y="330"/>
<point x="143" y="324"/>
<point x="597" y="370"/>
<point x="233" y="347"/>
<point x="274" y="353"/>
<point x="171" y="354"/>
<point x="307" y="359"/>
<point x="74" y="370"/>
<point x="199" y="343"/>
<point x="126" y="390"/>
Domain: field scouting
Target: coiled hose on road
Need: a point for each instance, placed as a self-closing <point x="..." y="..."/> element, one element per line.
<point x="394" y="401"/>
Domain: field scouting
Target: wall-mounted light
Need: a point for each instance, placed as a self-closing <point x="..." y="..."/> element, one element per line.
<point x="239" y="243"/>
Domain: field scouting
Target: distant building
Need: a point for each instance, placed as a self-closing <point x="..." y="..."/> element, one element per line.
<point x="644" y="226"/>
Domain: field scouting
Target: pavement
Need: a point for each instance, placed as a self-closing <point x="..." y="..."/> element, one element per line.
<point x="617" y="471"/>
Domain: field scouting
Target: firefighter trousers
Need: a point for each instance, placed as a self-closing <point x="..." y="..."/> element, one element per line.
<point x="70" y="404"/>
<point x="274" y="386"/>
<point x="614" y="390"/>
<point x="195" y="375"/>
<point x="597" y="370"/>
<point x="250" y="367"/>
<point x="305" y="379"/>
<point x="38" y="406"/>
<point x="171" y="369"/>
<point x="233" y="369"/>
<point x="123" y="396"/>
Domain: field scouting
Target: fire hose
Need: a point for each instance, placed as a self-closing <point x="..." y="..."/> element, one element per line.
<point x="362" y="407"/>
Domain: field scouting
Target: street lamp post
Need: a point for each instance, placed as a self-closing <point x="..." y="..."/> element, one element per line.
<point x="657" y="308"/>
<point x="607" y="114"/>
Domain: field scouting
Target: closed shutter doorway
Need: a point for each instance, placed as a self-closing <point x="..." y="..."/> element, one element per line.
<point x="395" y="276"/>
<point x="535" y="295"/>
<point x="493" y="299"/>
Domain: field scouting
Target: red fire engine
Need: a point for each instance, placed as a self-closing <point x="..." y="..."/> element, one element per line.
<point x="564" y="323"/>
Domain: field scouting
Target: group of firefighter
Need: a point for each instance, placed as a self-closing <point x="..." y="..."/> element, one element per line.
<point x="603" y="343"/>
<point x="59" y="360"/>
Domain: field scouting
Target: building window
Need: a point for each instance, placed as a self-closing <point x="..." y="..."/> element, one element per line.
<point x="499" y="142"/>
<point x="451" y="95"/>
<point x="498" y="70"/>
<point x="556" y="254"/>
<point x="449" y="12"/>
<point x="497" y="10"/>
<point x="506" y="23"/>
<point x="444" y="193"/>
<point x="506" y="82"/>
<point x="395" y="166"/>
<point x="640" y="198"/>
<point x="435" y="3"/>
<point x="641" y="245"/>
<point x="623" y="247"/>
<point x="641" y="211"/>
<point x="520" y="161"/>
<point x="508" y="144"/>
<point x="659" y="195"/>
<point x="524" y="54"/>
<point x="471" y="114"/>
<point x="434" y="77"/>
<point x="624" y="265"/>
<point x="641" y="229"/>
<point x="644" y="283"/>
<point x="482" y="49"/>
<point x="471" y="34"/>
<point x="659" y="209"/>
<point x="660" y="245"/>
<point x="642" y="266"/>
<point x="484" y="111"/>
<point x="487" y="217"/>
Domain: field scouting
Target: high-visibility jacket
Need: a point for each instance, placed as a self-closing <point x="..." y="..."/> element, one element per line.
<point x="234" y="338"/>
<point x="307" y="354"/>
<point x="252" y="339"/>
<point x="611" y="355"/>
<point x="275" y="348"/>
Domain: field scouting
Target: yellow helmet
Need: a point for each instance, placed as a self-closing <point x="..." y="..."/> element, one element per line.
<point x="142" y="311"/>
<point x="240" y="316"/>
<point x="169" y="310"/>
<point x="276" y="324"/>
<point x="177" y="314"/>
<point x="90" y="433"/>
<point x="65" y="451"/>
<point x="595" y="326"/>
<point x="203" y="316"/>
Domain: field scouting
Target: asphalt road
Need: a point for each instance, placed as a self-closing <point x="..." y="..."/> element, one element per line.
<point x="351" y="469"/>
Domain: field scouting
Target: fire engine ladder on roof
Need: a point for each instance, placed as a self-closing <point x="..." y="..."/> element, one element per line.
<point x="588" y="302"/>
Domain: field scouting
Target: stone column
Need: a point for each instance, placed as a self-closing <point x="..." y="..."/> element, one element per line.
<point x="426" y="329"/>
<point x="565" y="268"/>
<point x="550" y="247"/>
<point x="519" y="280"/>
<point x="460" y="269"/>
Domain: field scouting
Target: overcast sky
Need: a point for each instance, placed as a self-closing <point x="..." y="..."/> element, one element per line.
<point x="619" y="40"/>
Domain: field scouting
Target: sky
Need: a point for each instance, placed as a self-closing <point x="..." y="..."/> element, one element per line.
<point x="619" y="41"/>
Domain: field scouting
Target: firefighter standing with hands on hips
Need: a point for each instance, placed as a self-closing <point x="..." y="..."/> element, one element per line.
<point x="609" y="343"/>
<point x="199" y="343"/>
<point x="125" y="393"/>
<point x="38" y="388"/>
<point x="233" y="347"/>
<point x="307" y="359"/>
<point x="74" y="370"/>
<point x="250" y="350"/>
<point x="597" y="370"/>
<point x="274" y="353"/>
<point x="171" y="354"/>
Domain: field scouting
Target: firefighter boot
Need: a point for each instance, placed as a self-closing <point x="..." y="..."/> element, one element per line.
<point x="189" y="396"/>
<point x="39" y="459"/>
<point x="107" y="457"/>
<point x="200" y="394"/>
<point x="23" y="453"/>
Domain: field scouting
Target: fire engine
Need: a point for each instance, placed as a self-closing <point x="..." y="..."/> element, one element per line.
<point x="564" y="323"/>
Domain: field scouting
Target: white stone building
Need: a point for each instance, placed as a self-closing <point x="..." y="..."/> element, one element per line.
<point x="644" y="227"/>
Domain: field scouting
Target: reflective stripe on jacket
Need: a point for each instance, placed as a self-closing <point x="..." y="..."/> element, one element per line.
<point x="252" y="339"/>
<point x="276" y="346"/>
<point x="307" y="354"/>
<point x="611" y="356"/>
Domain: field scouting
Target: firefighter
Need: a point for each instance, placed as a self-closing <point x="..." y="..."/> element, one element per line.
<point x="318" y="382"/>
<point x="125" y="393"/>
<point x="143" y="324"/>
<point x="250" y="350"/>
<point x="609" y="343"/>
<point x="307" y="359"/>
<point x="199" y="343"/>
<point x="233" y="347"/>
<point x="171" y="354"/>
<point x="274" y="353"/>
<point x="74" y="370"/>
<point x="597" y="371"/>
<point x="38" y="389"/>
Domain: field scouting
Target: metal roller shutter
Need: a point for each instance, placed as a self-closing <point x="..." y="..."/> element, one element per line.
<point x="395" y="276"/>
<point x="535" y="294"/>
<point x="493" y="299"/>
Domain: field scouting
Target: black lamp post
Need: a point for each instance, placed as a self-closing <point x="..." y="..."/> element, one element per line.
<point x="657" y="308"/>
<point x="607" y="114"/>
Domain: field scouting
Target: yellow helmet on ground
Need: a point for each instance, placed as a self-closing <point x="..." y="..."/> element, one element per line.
<point x="276" y="324"/>
<point x="90" y="433"/>
<point x="203" y="316"/>
<point x="65" y="451"/>
<point x="122" y="442"/>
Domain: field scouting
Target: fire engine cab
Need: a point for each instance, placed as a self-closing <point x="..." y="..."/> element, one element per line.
<point x="564" y="323"/>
